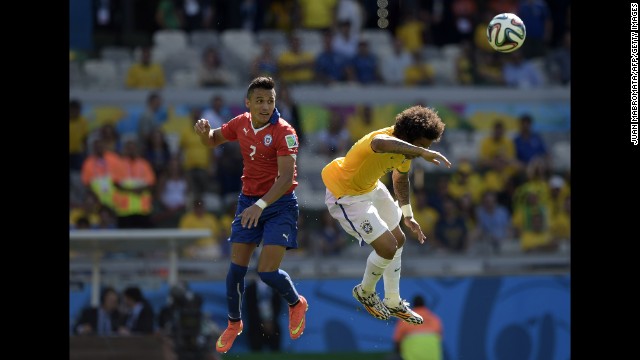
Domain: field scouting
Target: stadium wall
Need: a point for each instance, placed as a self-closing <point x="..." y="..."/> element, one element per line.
<point x="484" y="317"/>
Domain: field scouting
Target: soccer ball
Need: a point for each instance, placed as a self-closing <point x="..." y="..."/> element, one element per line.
<point x="506" y="32"/>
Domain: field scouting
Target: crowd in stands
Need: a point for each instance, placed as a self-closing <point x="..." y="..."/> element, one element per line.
<point x="149" y="169"/>
<point x="204" y="44"/>
<point x="158" y="175"/>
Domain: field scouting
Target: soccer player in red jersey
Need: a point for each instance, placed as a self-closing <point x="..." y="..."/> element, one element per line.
<point x="267" y="206"/>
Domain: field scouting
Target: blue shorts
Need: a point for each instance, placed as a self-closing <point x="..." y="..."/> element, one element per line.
<point x="278" y="223"/>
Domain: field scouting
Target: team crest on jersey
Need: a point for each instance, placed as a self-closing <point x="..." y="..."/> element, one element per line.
<point x="267" y="140"/>
<point x="292" y="142"/>
<point x="366" y="226"/>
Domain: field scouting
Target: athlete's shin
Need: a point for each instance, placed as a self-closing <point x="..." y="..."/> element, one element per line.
<point x="376" y="266"/>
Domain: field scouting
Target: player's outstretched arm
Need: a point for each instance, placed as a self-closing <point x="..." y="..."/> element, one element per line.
<point x="208" y="136"/>
<point x="390" y="144"/>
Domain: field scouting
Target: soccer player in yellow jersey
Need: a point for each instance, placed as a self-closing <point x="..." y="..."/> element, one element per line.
<point x="365" y="209"/>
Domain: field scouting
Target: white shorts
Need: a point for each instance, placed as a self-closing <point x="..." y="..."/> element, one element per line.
<point x="366" y="216"/>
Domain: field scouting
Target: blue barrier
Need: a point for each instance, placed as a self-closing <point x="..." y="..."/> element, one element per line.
<point x="484" y="318"/>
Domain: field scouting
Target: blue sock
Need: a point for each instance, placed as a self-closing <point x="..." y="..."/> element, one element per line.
<point x="281" y="282"/>
<point x="235" y="289"/>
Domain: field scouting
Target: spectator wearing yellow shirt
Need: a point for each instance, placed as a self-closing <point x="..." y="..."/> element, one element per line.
<point x="364" y="121"/>
<point x="145" y="74"/>
<point x="196" y="159"/>
<point x="411" y="32"/>
<point x="497" y="143"/>
<point x="424" y="214"/>
<point x="466" y="181"/>
<point x="199" y="218"/>
<point x="531" y="221"/>
<point x="78" y="132"/>
<point x="561" y="222"/>
<point x="317" y="14"/>
<point x="420" y="72"/>
<point x="296" y="66"/>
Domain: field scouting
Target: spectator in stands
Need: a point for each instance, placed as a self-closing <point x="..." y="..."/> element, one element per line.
<point x="537" y="18"/>
<point x="497" y="143"/>
<point x="335" y="140"/>
<point x="140" y="317"/>
<point x="536" y="182"/>
<point x="521" y="73"/>
<point x="410" y="32"/>
<point x="265" y="63"/>
<point x="154" y="115"/>
<point x="364" y="121"/>
<point x="465" y="67"/>
<point x="157" y="152"/>
<point x="330" y="66"/>
<point x="264" y="306"/>
<point x="212" y="72"/>
<point x="78" y="133"/>
<point x="395" y="64"/>
<point x="279" y="15"/>
<point x="199" y="218"/>
<point x="101" y="320"/>
<point x="316" y="14"/>
<point x="489" y="68"/>
<point x="419" y="72"/>
<point x="145" y="74"/>
<point x="451" y="232"/>
<point x="344" y="41"/>
<point x="531" y="221"/>
<point x="426" y="215"/>
<point x="110" y="137"/>
<point x="528" y="143"/>
<point x="195" y="14"/>
<point x="98" y="172"/>
<point x="465" y="181"/>
<point x="196" y="159"/>
<point x="168" y="15"/>
<point x="296" y="66"/>
<point x="419" y="342"/>
<point x="493" y="223"/>
<point x="134" y="181"/>
<point x="218" y="111"/>
<point x="363" y="67"/>
<point x="89" y="210"/>
<point x="171" y="196"/>
<point x="351" y="11"/>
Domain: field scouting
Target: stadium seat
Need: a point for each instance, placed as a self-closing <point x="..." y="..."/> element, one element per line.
<point x="117" y="54"/>
<point x="102" y="74"/>
<point x="276" y="37"/>
<point x="170" y="39"/>
<point x="200" y="39"/>
<point x="310" y="40"/>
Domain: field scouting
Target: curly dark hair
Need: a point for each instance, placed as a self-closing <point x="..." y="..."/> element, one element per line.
<point x="261" y="82"/>
<point x="418" y="122"/>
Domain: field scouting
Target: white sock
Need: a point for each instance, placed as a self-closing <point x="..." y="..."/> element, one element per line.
<point x="391" y="280"/>
<point x="373" y="272"/>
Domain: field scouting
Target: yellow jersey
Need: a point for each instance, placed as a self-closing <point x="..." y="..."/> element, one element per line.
<point x="359" y="170"/>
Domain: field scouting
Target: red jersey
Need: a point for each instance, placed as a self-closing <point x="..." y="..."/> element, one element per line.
<point x="260" y="149"/>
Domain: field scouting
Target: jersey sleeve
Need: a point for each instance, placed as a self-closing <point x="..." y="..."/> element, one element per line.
<point x="230" y="129"/>
<point x="288" y="141"/>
